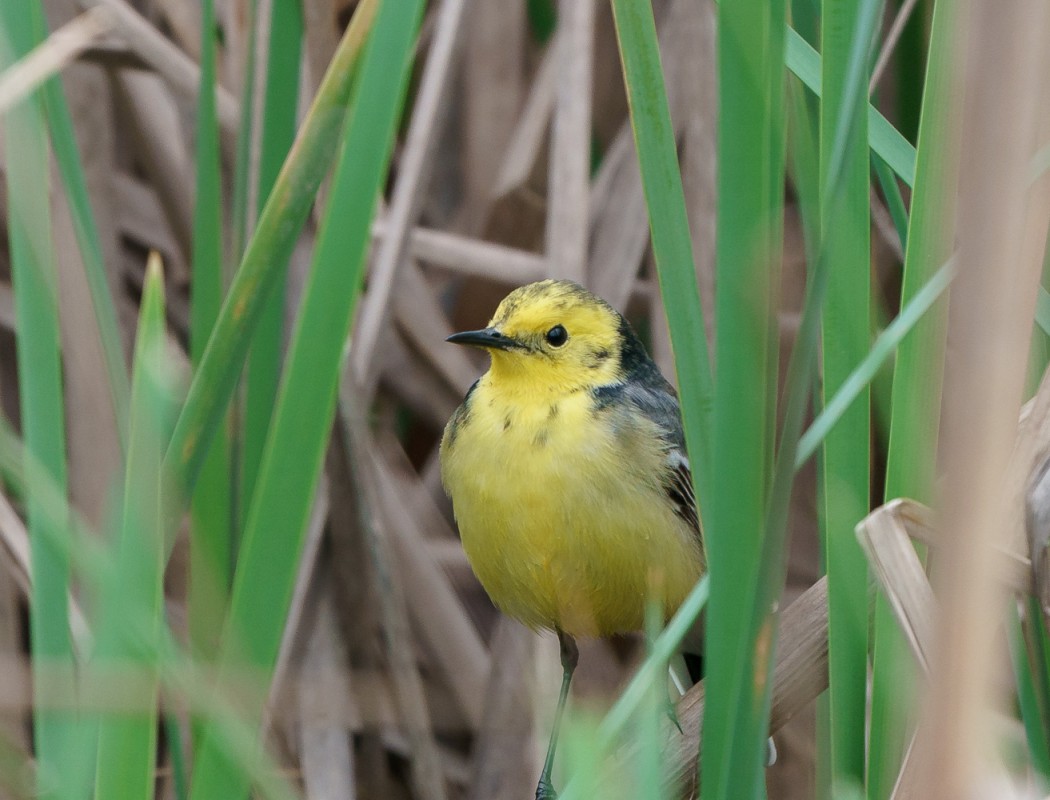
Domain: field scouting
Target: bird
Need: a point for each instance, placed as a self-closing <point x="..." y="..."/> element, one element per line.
<point x="568" y="475"/>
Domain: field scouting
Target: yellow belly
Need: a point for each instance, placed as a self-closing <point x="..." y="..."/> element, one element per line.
<point x="565" y="525"/>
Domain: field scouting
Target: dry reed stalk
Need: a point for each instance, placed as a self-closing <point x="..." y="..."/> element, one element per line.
<point x="153" y="123"/>
<point x="493" y="89"/>
<point x="13" y="726"/>
<point x="416" y="164"/>
<point x="473" y="257"/>
<point x="699" y="156"/>
<point x="500" y="768"/>
<point x="233" y="16"/>
<point x="7" y="308"/>
<point x="184" y="21"/>
<point x="427" y="773"/>
<point x="356" y="606"/>
<point x="619" y="224"/>
<point x="885" y="536"/>
<point x="143" y="221"/>
<point x="178" y="69"/>
<point x="570" y="158"/>
<point x="425" y="326"/>
<point x="262" y="21"/>
<point x="94" y="453"/>
<point x="890" y="42"/>
<point x="446" y="630"/>
<point x="324" y="741"/>
<point x="320" y="39"/>
<point x="530" y="132"/>
<point x="53" y="55"/>
<point x="799" y="675"/>
<point x="414" y="382"/>
<point x="883" y="222"/>
<point x="88" y="92"/>
<point x="15" y="541"/>
<point x="619" y="229"/>
<point x="297" y="618"/>
<point x="993" y="303"/>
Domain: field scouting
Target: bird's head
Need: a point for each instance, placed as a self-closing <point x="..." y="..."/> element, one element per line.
<point x="555" y="334"/>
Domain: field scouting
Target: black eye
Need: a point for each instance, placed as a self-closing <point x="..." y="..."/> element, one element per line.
<point x="557" y="336"/>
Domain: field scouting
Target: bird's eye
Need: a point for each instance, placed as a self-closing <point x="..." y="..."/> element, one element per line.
<point x="557" y="336"/>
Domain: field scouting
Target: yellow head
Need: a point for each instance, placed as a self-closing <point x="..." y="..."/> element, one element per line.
<point x="555" y="334"/>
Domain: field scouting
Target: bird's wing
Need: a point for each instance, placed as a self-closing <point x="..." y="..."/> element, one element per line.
<point x="680" y="488"/>
<point x="657" y="400"/>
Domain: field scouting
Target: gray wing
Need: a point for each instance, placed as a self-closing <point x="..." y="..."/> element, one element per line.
<point x="656" y="399"/>
<point x="680" y="489"/>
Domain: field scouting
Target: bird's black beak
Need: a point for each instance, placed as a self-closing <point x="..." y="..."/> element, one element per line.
<point x="489" y="338"/>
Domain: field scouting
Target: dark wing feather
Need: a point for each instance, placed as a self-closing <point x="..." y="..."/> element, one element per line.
<point x="656" y="399"/>
<point x="680" y="489"/>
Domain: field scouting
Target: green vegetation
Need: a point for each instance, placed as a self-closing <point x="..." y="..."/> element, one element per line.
<point x="214" y="621"/>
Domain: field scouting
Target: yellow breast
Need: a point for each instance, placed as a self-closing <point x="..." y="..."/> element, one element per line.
<point x="562" y="513"/>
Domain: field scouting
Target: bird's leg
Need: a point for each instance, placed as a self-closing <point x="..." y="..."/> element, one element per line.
<point x="570" y="655"/>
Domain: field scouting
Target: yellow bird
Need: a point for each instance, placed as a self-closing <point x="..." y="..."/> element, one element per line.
<point x="568" y="475"/>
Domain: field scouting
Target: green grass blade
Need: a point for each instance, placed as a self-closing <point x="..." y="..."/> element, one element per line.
<point x="211" y="557"/>
<point x="929" y="245"/>
<point x="884" y="139"/>
<point x="846" y="327"/>
<point x="239" y="216"/>
<point x="177" y="754"/>
<point x="292" y="459"/>
<point x="651" y="672"/>
<point x="279" y="225"/>
<point x="1032" y="691"/>
<point x="63" y="530"/>
<point x="280" y="99"/>
<point x="864" y="373"/>
<point x="891" y="146"/>
<point x="751" y="36"/>
<point x="127" y="742"/>
<point x="894" y="200"/>
<point x="804" y="175"/>
<point x="772" y="564"/>
<point x="67" y="157"/>
<point x="1039" y="351"/>
<point x="916" y="395"/>
<point x="669" y="225"/>
<point x="805" y="19"/>
<point x="34" y="279"/>
<point x="910" y="57"/>
<point x="804" y="163"/>
<point x="1042" y="310"/>
<point x="651" y="767"/>
<point x="652" y="669"/>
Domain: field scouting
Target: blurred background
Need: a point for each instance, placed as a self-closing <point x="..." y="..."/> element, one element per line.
<point x="226" y="523"/>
